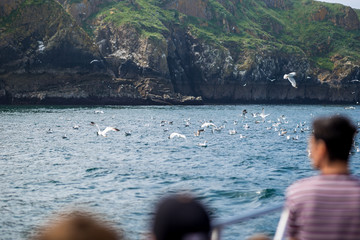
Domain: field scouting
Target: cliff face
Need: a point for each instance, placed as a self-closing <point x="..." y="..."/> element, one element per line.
<point x="48" y="58"/>
<point x="349" y="20"/>
<point x="178" y="51"/>
<point x="345" y="18"/>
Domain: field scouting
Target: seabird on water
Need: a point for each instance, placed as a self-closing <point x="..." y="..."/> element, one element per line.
<point x="204" y="144"/>
<point x="232" y="132"/>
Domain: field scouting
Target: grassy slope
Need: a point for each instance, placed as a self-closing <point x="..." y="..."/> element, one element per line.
<point x="254" y="25"/>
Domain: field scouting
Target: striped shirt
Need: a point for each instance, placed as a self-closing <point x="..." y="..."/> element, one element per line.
<point x="324" y="207"/>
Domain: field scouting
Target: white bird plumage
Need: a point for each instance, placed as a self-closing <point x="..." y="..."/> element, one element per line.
<point x="291" y="78"/>
<point x="263" y="115"/>
<point x="107" y="129"/>
<point x="178" y="135"/>
<point x="204" y="144"/>
<point x="208" y="124"/>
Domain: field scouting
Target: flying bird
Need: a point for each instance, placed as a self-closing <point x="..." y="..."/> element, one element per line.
<point x="291" y="78"/>
<point x="107" y="129"/>
<point x="197" y="133"/>
<point x="208" y="124"/>
<point x="178" y="135"/>
<point x="263" y="115"/>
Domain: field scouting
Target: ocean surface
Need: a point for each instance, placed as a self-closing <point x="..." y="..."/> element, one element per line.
<point x="48" y="166"/>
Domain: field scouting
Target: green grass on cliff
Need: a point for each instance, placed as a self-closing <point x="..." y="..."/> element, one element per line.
<point x="143" y="15"/>
<point x="246" y="26"/>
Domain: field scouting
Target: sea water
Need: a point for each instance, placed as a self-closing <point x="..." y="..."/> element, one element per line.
<point x="48" y="166"/>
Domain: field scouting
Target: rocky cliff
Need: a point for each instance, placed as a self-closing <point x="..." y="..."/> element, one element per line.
<point x="178" y="51"/>
<point x="45" y="57"/>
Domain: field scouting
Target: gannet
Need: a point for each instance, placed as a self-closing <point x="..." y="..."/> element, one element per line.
<point x="107" y="129"/>
<point x="291" y="78"/>
<point x="208" y="124"/>
<point x="204" y="144"/>
<point x="263" y="115"/>
<point x="178" y="135"/>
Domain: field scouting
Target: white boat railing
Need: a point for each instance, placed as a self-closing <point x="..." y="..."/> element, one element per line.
<point x="218" y="226"/>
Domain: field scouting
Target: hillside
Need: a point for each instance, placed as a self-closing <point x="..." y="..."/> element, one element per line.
<point x="158" y="51"/>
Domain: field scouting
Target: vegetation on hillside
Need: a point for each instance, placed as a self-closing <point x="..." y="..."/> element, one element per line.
<point x="247" y="25"/>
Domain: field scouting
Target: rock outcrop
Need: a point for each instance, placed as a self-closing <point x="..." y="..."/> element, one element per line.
<point x="349" y="19"/>
<point x="345" y="18"/>
<point x="194" y="52"/>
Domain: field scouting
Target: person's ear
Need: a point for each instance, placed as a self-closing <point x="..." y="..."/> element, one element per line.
<point x="318" y="153"/>
<point x="322" y="149"/>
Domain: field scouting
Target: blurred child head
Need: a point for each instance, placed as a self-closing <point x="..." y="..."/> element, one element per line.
<point x="77" y="226"/>
<point x="181" y="217"/>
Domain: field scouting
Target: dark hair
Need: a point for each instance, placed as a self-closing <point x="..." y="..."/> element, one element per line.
<point x="338" y="133"/>
<point x="181" y="217"/>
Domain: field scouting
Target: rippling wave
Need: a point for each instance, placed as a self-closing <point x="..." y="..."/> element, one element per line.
<point x="47" y="165"/>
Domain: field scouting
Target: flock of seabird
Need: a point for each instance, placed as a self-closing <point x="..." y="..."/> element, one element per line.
<point x="281" y="126"/>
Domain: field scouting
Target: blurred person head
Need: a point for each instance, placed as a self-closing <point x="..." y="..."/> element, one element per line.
<point x="77" y="226"/>
<point x="331" y="141"/>
<point x="181" y="217"/>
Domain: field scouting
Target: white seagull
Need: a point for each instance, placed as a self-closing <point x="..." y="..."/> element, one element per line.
<point x="291" y="78"/>
<point x="107" y="129"/>
<point x="178" y="135"/>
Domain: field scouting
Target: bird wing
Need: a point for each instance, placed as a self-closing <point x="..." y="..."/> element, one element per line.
<point x="292" y="74"/>
<point x="292" y="81"/>
<point x="173" y="135"/>
<point x="107" y="129"/>
<point x="177" y="135"/>
<point x="208" y="125"/>
<point x="182" y="136"/>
